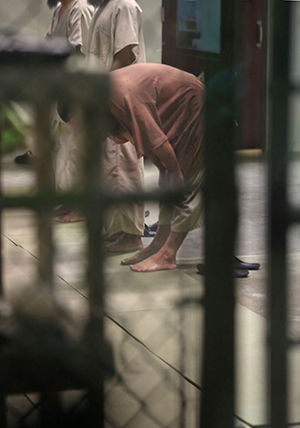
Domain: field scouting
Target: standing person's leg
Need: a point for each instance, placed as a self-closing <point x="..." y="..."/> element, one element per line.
<point x="67" y="167"/>
<point x="123" y="172"/>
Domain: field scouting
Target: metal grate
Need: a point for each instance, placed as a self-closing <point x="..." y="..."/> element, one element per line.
<point x="38" y="357"/>
<point x="91" y="401"/>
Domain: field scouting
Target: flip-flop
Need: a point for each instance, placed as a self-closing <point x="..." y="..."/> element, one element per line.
<point x="238" y="273"/>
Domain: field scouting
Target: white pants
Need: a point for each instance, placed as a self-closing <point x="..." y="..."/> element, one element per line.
<point x="67" y="155"/>
<point x="123" y="172"/>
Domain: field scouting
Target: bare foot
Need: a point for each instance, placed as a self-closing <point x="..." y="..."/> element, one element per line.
<point x="154" y="263"/>
<point x="70" y="217"/>
<point x="153" y="247"/>
<point x="139" y="256"/>
<point x="124" y="243"/>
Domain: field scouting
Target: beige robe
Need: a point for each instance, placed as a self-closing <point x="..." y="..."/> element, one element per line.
<point x="72" y="25"/>
<point x="116" y="25"/>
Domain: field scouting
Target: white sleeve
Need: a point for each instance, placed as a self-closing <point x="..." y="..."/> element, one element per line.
<point x="74" y="24"/>
<point x="127" y="24"/>
<point x="86" y="17"/>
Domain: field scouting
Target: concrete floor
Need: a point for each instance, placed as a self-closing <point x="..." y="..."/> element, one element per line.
<point x="156" y="343"/>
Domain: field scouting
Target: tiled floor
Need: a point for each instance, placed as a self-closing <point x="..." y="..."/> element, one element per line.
<point x="156" y="341"/>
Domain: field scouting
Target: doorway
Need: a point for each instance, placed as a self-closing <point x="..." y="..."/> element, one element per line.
<point x="195" y="38"/>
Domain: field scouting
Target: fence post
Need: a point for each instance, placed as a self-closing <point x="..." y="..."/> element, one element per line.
<point x="278" y="216"/>
<point x="217" y="403"/>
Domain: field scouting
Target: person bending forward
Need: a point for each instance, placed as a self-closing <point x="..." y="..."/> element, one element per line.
<point x="159" y="109"/>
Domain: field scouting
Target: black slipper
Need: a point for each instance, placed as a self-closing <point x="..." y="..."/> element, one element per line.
<point x="240" y="264"/>
<point x="238" y="273"/>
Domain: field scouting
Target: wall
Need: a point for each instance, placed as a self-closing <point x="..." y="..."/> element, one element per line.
<point x="29" y="16"/>
<point x="33" y="16"/>
<point x="152" y="28"/>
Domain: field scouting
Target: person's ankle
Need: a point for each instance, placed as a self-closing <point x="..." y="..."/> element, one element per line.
<point x="168" y="255"/>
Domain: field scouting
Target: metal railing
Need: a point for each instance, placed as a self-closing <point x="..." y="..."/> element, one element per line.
<point x="24" y="83"/>
<point x="39" y="84"/>
<point x="279" y="214"/>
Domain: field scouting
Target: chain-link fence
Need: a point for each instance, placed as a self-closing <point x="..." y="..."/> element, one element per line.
<point x="83" y="342"/>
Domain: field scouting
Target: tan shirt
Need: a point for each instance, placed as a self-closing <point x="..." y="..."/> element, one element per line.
<point x="114" y="26"/>
<point x="73" y="24"/>
<point x="154" y="103"/>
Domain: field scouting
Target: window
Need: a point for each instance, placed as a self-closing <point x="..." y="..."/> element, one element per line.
<point x="199" y="25"/>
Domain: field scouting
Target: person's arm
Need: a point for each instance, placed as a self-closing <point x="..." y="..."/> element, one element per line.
<point x="75" y="37"/>
<point x="127" y="34"/>
<point x="167" y="157"/>
<point x="123" y="58"/>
